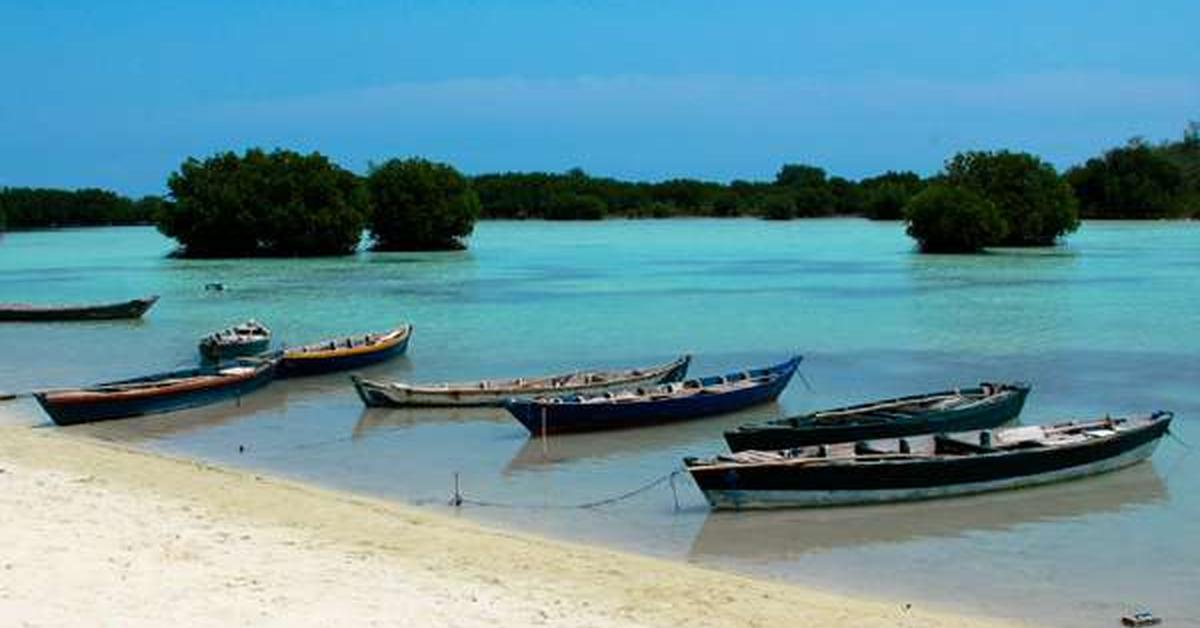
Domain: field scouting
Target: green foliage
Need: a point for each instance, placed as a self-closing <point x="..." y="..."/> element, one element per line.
<point x="1131" y="182"/>
<point x="848" y="197"/>
<point x="571" y="206"/>
<point x="885" y="196"/>
<point x="37" y="208"/>
<point x="1036" y="204"/>
<point x="280" y="203"/>
<point x="778" y="206"/>
<point x="810" y="190"/>
<point x="419" y="205"/>
<point x="947" y="218"/>
<point x="1185" y="154"/>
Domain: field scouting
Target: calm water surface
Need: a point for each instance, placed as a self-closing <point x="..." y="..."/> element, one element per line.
<point x="1109" y="323"/>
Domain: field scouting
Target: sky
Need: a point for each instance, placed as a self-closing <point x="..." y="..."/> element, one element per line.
<point x="118" y="94"/>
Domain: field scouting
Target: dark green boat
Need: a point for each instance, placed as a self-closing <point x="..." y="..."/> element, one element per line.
<point x="985" y="406"/>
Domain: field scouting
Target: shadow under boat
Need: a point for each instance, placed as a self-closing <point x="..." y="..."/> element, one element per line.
<point x="382" y="419"/>
<point x="769" y="536"/>
<point x="706" y="433"/>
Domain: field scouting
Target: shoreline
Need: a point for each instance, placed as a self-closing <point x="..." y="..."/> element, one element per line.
<point x="122" y="533"/>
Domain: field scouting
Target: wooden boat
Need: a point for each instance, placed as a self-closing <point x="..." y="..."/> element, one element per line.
<point x="344" y="353"/>
<point x="153" y="394"/>
<point x="665" y="403"/>
<point x="248" y="338"/>
<point x="986" y="406"/>
<point x="497" y="392"/>
<point x="926" y="467"/>
<point x="110" y="311"/>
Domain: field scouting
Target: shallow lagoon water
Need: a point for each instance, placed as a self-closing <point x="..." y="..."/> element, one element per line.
<point x="1109" y="323"/>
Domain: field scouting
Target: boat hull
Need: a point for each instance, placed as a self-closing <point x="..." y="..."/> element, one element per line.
<point x="302" y="366"/>
<point x="541" y="417"/>
<point x="375" y="394"/>
<point x="776" y="486"/>
<point x="73" y="413"/>
<point x="113" y="311"/>
<point x="768" y="437"/>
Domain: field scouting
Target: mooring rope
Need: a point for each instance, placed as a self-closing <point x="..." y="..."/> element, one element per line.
<point x="1175" y="438"/>
<point x="459" y="499"/>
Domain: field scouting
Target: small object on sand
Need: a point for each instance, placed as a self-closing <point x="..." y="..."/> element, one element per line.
<point x="215" y="286"/>
<point x="1141" y="618"/>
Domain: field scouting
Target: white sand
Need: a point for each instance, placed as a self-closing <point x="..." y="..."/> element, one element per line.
<point x="98" y="535"/>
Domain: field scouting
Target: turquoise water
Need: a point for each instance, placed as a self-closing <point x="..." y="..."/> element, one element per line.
<point x="1109" y="323"/>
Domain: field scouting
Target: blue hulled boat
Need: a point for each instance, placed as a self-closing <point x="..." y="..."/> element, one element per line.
<point x="344" y="354"/>
<point x="154" y="394"/>
<point x="666" y="403"/>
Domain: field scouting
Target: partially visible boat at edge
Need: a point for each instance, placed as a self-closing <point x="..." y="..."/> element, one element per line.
<point x="24" y="312"/>
<point x="985" y="406"/>
<point x="931" y="466"/>
<point x="665" y="403"/>
<point x="497" y="392"/>
<point x="154" y="394"/>
<point x="343" y="354"/>
<point x="248" y="338"/>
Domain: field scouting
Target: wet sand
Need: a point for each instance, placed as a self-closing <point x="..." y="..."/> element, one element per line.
<point x="96" y="533"/>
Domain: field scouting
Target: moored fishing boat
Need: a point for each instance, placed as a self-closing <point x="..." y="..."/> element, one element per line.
<point x="664" y="403"/>
<point x="926" y="467"/>
<point x="344" y="353"/>
<point x="48" y="313"/>
<point x="154" y="394"/>
<point x="985" y="406"/>
<point x="248" y="338"/>
<point x="497" y="392"/>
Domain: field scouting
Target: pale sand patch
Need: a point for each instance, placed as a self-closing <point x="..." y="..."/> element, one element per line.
<point x="95" y="534"/>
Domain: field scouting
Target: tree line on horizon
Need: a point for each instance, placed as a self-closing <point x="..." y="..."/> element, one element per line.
<point x="286" y="203"/>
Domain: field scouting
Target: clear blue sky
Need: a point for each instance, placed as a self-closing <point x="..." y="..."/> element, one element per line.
<point x="117" y="94"/>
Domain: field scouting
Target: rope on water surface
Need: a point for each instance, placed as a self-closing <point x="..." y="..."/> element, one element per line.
<point x="459" y="499"/>
<point x="1176" y="438"/>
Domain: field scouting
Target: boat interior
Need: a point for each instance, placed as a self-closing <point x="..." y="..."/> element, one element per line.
<point x="899" y="409"/>
<point x="971" y="443"/>
<point x="583" y="378"/>
<point x="687" y="388"/>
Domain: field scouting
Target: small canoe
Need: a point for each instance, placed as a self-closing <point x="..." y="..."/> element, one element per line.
<point x="154" y="394"/>
<point x="665" y="403"/>
<point x="343" y="354"/>
<point x="112" y="311"/>
<point x="248" y="338"/>
<point x="985" y="406"/>
<point x="926" y="467"/>
<point x="497" y="392"/>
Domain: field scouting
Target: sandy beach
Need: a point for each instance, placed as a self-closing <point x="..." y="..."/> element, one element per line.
<point x="98" y="534"/>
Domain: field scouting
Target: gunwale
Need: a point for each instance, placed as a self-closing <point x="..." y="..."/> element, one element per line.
<point x="150" y="388"/>
<point x="495" y="392"/>
<point x="381" y="342"/>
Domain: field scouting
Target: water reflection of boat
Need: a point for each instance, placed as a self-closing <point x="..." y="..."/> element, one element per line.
<point x="783" y="534"/>
<point x="149" y="428"/>
<point x="674" y="438"/>
<point x="373" y="419"/>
